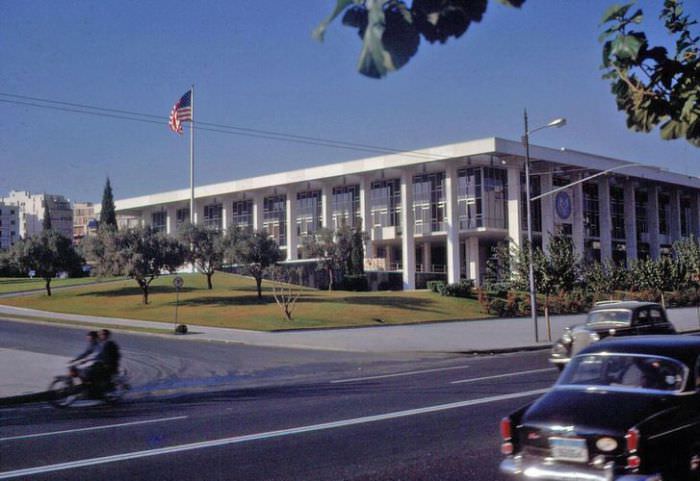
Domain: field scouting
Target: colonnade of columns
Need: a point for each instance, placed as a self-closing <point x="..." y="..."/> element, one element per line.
<point x="463" y="248"/>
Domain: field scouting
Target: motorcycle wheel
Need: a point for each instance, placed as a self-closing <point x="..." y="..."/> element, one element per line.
<point x="62" y="392"/>
<point x="120" y="386"/>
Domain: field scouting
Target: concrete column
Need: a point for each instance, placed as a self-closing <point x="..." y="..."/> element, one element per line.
<point x="171" y="220"/>
<point x="547" y="210"/>
<point x="453" y="262"/>
<point x="515" y="230"/>
<point x="226" y="205"/>
<point x="366" y="216"/>
<point x="674" y="222"/>
<point x="605" y="218"/>
<point x="653" y="214"/>
<point x="198" y="211"/>
<point x="427" y="257"/>
<point x="695" y="214"/>
<point x="326" y="205"/>
<point x="578" y="230"/>
<point x="473" y="260"/>
<point x="258" y="209"/>
<point x="292" y="237"/>
<point x="630" y="221"/>
<point x="408" y="241"/>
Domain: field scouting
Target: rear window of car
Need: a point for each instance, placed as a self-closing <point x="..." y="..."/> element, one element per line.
<point x="610" y="316"/>
<point x="626" y="371"/>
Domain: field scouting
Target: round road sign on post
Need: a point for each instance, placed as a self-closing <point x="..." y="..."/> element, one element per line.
<point x="178" y="282"/>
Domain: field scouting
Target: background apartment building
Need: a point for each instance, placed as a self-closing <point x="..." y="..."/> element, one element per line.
<point x="443" y="210"/>
<point x="84" y="221"/>
<point x="9" y="225"/>
<point x="33" y="208"/>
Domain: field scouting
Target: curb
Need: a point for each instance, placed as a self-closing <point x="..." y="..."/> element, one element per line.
<point x="25" y="399"/>
<point x="506" y="350"/>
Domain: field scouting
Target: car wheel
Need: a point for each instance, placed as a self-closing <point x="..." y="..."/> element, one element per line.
<point x="693" y="463"/>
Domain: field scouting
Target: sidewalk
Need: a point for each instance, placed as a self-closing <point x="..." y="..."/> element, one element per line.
<point x="491" y="335"/>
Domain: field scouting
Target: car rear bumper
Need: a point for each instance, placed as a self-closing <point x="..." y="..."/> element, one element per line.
<point x="537" y="469"/>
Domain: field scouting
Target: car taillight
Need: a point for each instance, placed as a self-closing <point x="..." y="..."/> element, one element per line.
<point x="506" y="431"/>
<point x="632" y="440"/>
<point x="632" y="444"/>
<point x="507" y="436"/>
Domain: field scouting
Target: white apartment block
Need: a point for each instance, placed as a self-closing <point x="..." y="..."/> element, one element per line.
<point x="32" y="208"/>
<point x="9" y="225"/>
<point x="463" y="200"/>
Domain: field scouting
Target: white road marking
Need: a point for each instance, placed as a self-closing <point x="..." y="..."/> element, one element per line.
<point x="510" y="374"/>
<point x="266" y="435"/>
<point x="408" y="373"/>
<point x="93" y="428"/>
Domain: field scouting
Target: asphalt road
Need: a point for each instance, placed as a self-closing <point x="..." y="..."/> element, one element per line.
<point x="209" y="411"/>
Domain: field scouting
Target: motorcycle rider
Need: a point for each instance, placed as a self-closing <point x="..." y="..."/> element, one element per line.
<point x="105" y="365"/>
<point x="92" y="346"/>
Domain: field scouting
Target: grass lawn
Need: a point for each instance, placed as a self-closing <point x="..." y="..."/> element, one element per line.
<point x="19" y="284"/>
<point x="234" y="303"/>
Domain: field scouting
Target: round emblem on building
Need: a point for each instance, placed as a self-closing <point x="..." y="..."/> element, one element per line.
<point x="563" y="205"/>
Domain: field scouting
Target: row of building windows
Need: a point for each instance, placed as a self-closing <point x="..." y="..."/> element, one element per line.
<point x="482" y="194"/>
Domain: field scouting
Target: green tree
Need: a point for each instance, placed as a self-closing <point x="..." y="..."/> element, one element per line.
<point x="207" y="249"/>
<point x="332" y="250"/>
<point x="108" y="215"/>
<point x="391" y="31"/>
<point x="651" y="86"/>
<point x="143" y="254"/>
<point x="47" y="254"/>
<point x="46" y="223"/>
<point x="256" y="252"/>
<point x="357" y="253"/>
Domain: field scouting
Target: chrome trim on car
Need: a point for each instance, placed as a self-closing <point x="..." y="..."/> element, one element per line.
<point x="538" y="469"/>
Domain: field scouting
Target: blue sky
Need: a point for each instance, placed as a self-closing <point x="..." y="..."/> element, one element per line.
<point x="255" y="65"/>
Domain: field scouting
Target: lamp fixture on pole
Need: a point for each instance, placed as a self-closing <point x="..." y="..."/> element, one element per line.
<point x="560" y="122"/>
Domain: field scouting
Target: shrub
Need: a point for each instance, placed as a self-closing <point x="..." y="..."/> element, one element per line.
<point x="356" y="283"/>
<point x="497" y="306"/>
<point x="463" y="288"/>
<point x="436" y="286"/>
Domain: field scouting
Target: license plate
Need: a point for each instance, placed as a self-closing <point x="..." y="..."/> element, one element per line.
<point x="569" y="449"/>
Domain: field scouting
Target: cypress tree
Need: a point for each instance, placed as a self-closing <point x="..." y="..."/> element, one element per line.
<point x="108" y="216"/>
<point x="46" y="223"/>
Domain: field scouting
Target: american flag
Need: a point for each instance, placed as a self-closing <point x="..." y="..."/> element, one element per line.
<point x="181" y="112"/>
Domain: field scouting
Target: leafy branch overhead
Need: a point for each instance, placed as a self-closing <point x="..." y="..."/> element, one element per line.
<point x="391" y="31"/>
<point x="653" y="87"/>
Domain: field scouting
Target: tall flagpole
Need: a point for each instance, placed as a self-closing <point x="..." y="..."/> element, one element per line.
<point x="192" y="157"/>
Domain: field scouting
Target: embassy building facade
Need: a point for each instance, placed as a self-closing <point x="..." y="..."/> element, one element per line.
<point x="440" y="212"/>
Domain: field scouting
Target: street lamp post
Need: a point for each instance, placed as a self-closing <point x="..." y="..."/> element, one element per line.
<point x="531" y="270"/>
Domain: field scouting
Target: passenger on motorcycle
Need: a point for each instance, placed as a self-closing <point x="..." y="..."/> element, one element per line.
<point x="106" y="364"/>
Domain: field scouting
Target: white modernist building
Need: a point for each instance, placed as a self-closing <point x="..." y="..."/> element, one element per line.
<point x="442" y="210"/>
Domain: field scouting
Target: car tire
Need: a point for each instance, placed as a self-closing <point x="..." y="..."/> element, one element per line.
<point x="693" y="463"/>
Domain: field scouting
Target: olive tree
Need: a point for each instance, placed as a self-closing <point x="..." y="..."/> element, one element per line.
<point x="207" y="249"/>
<point x="256" y="252"/>
<point x="47" y="254"/>
<point x="144" y="254"/>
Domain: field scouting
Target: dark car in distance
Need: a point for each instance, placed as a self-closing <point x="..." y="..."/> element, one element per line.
<point x="626" y="409"/>
<point x="611" y="318"/>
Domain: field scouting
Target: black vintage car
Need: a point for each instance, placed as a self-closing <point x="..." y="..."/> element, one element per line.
<point x="611" y="318"/>
<point x="623" y="409"/>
